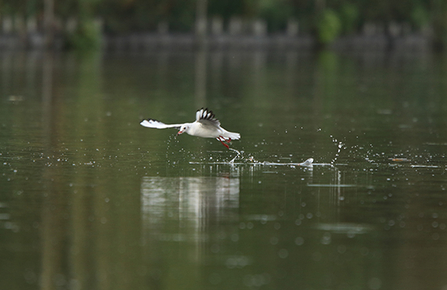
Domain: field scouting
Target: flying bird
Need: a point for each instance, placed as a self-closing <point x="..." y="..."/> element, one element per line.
<point x="205" y="126"/>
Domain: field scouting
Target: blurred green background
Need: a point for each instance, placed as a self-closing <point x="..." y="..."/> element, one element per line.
<point x="77" y="21"/>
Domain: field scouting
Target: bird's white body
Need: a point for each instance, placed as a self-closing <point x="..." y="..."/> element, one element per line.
<point x="205" y="126"/>
<point x="208" y="131"/>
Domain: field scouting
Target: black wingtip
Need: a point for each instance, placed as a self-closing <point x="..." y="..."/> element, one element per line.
<point x="207" y="114"/>
<point x="149" y="120"/>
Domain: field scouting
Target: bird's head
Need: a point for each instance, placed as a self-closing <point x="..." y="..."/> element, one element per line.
<point x="183" y="129"/>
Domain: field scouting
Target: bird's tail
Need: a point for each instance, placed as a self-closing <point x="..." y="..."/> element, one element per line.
<point x="232" y="135"/>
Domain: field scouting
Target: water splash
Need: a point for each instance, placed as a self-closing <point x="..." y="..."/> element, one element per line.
<point x="309" y="163"/>
<point x="239" y="154"/>
<point x="339" y="147"/>
<point x="252" y="160"/>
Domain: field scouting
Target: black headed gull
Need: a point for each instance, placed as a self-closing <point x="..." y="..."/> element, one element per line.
<point x="205" y="126"/>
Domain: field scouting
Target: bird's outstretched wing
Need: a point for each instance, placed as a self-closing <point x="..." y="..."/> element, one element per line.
<point x="206" y="117"/>
<point x="151" y="123"/>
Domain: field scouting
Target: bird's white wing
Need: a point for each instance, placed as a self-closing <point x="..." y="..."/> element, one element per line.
<point x="151" y="123"/>
<point x="206" y="117"/>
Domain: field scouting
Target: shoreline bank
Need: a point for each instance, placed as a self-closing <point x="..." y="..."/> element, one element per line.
<point x="155" y="41"/>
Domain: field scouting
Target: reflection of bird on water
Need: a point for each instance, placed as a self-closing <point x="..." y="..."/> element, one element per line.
<point x="205" y="126"/>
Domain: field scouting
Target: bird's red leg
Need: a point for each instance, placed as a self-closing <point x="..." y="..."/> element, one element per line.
<point x="220" y="139"/>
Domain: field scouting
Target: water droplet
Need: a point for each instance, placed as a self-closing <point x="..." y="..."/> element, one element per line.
<point x="374" y="283"/>
<point x="283" y="253"/>
<point x="299" y="241"/>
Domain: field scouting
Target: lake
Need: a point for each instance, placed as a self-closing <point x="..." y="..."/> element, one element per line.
<point x="89" y="199"/>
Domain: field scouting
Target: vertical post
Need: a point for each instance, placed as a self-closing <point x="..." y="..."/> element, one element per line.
<point x="292" y="27"/>
<point x="201" y="20"/>
<point x="201" y="53"/>
<point x="48" y="18"/>
<point x="201" y="75"/>
<point x="320" y="5"/>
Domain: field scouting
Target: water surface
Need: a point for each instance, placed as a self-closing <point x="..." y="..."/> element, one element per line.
<point x="89" y="199"/>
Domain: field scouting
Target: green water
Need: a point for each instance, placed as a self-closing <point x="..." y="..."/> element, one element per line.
<point x="89" y="199"/>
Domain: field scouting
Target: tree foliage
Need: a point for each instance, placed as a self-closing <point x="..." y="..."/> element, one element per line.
<point x="328" y="26"/>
